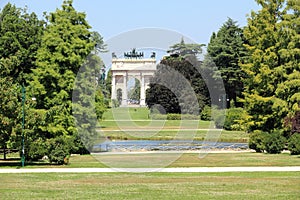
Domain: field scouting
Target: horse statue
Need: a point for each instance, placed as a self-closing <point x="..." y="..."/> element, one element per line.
<point x="153" y="55"/>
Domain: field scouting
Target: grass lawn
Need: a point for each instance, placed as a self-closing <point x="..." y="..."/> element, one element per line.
<point x="185" y="160"/>
<point x="250" y="185"/>
<point x="124" y="113"/>
<point x="137" y="125"/>
<point x="225" y="136"/>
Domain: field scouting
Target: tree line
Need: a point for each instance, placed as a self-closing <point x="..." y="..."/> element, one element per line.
<point x="258" y="69"/>
<point x="44" y="56"/>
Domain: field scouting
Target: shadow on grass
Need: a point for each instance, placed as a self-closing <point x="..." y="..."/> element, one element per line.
<point x="16" y="162"/>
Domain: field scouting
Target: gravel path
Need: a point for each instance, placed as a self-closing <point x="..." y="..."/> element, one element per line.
<point x="170" y="170"/>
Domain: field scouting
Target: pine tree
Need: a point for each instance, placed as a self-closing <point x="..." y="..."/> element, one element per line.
<point x="287" y="93"/>
<point x="261" y="65"/>
<point x="66" y="43"/>
<point x="226" y="51"/>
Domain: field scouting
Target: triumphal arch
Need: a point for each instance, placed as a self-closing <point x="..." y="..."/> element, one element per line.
<point x="132" y="65"/>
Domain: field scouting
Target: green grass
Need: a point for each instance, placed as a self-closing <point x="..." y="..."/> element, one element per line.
<point x="185" y="160"/>
<point x="155" y="124"/>
<point x="251" y="185"/>
<point x="125" y="113"/>
<point x="225" y="136"/>
<point x="139" y="126"/>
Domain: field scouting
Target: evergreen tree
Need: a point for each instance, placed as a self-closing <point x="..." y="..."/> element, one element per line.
<point x="20" y="37"/>
<point x="177" y="84"/>
<point x="262" y="65"/>
<point x="287" y="93"/>
<point x="65" y="46"/>
<point x="226" y="51"/>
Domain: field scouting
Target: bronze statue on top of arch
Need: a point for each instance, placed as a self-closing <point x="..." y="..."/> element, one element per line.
<point x="134" y="54"/>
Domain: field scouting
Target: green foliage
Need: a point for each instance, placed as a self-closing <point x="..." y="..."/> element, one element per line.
<point x="272" y="65"/>
<point x="59" y="150"/>
<point x="226" y="51"/>
<point x="10" y="110"/>
<point x="66" y="44"/>
<point x="294" y="144"/>
<point x="206" y="113"/>
<point x="184" y="49"/>
<point x="233" y="118"/>
<point x="36" y="150"/>
<point x="257" y="141"/>
<point x="20" y="37"/>
<point x="134" y="94"/>
<point x="178" y="86"/>
<point x="274" y="142"/>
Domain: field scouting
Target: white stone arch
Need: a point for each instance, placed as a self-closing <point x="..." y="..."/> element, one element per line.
<point x="123" y="68"/>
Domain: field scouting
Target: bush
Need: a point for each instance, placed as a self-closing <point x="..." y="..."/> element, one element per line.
<point x="59" y="155"/>
<point x="232" y="121"/>
<point x="233" y="116"/>
<point x="257" y="141"/>
<point x="206" y="113"/>
<point x="274" y="142"/>
<point x="59" y="149"/>
<point x="294" y="144"/>
<point x="219" y="120"/>
<point x="36" y="150"/>
<point x="172" y="116"/>
<point x="158" y="117"/>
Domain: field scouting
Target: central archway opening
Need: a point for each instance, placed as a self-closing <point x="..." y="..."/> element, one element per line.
<point x="134" y="91"/>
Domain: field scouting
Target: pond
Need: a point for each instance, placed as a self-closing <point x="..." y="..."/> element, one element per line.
<point x="164" y="145"/>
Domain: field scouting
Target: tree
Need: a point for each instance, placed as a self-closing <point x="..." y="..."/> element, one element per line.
<point x="226" y="51"/>
<point x="177" y="84"/>
<point x="184" y="49"/>
<point x="9" y="111"/>
<point x="134" y="93"/>
<point x="66" y="43"/>
<point x="108" y="83"/>
<point x="272" y="95"/>
<point x="287" y="93"/>
<point x="20" y="37"/>
<point x="262" y="65"/>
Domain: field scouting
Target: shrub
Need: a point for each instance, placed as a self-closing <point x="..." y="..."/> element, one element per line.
<point x="219" y="120"/>
<point x="274" y="142"/>
<point x="294" y="144"/>
<point x="206" y="113"/>
<point x="172" y="116"/>
<point x="233" y="116"/>
<point x="58" y="155"/>
<point x="232" y="121"/>
<point x="36" y="150"/>
<point x="158" y="117"/>
<point x="257" y="141"/>
<point x="58" y="149"/>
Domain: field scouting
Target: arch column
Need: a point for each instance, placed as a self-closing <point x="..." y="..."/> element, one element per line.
<point x="113" y="87"/>
<point x="143" y="92"/>
<point x="124" y="90"/>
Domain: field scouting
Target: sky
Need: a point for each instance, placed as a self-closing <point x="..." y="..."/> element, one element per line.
<point x="150" y="25"/>
<point x="196" y="19"/>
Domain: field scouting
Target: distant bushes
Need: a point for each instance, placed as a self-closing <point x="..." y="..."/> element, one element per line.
<point x="233" y="120"/>
<point x="172" y="116"/>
